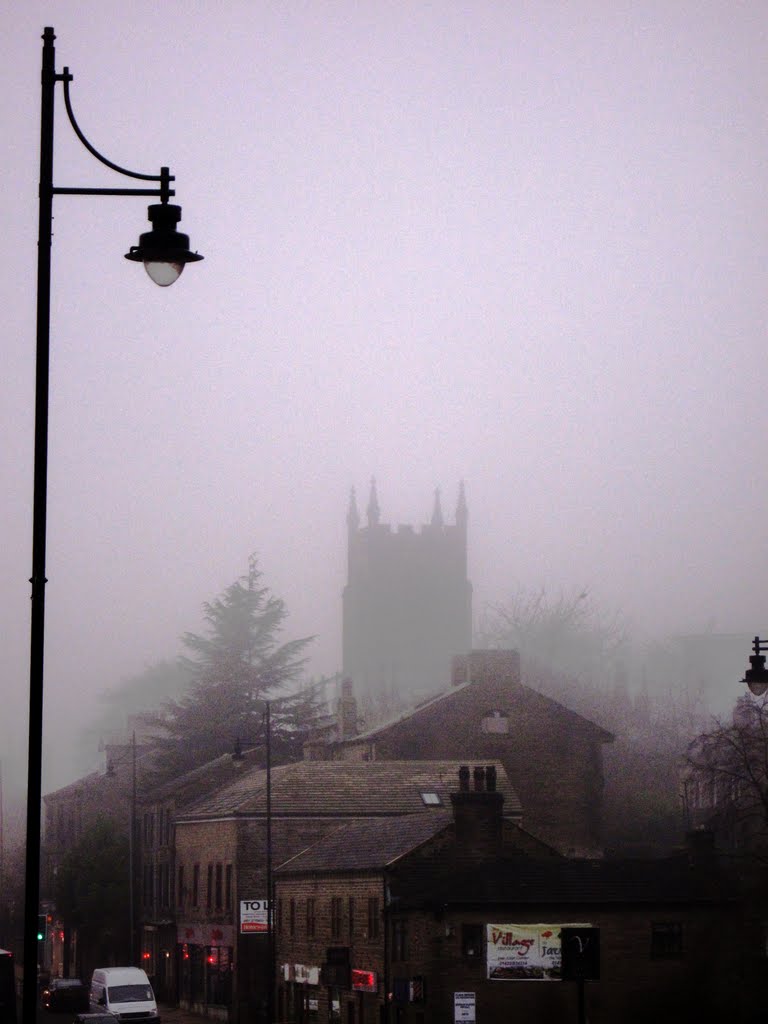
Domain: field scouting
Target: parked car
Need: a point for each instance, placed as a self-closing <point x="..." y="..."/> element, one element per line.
<point x="124" y="991"/>
<point x="68" y="995"/>
<point x="94" y="1018"/>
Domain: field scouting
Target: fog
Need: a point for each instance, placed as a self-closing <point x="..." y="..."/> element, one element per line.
<point x="521" y="245"/>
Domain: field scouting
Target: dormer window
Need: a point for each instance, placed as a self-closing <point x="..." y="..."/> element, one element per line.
<point x="495" y="721"/>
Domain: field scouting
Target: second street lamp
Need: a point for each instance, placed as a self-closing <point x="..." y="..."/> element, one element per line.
<point x="164" y="252"/>
<point x="756" y="676"/>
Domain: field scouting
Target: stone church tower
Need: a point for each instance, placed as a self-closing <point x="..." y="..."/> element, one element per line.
<point x="407" y="605"/>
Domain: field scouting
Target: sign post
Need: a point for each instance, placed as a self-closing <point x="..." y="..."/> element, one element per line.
<point x="581" y="961"/>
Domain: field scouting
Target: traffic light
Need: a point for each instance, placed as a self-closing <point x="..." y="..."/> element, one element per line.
<point x="581" y="954"/>
<point x="42" y="927"/>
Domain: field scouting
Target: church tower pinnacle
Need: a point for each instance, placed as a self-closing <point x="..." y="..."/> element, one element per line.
<point x="462" y="513"/>
<point x="373" y="512"/>
<point x="353" y="516"/>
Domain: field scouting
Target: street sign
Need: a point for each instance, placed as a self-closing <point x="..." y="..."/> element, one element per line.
<point x="464" y="1006"/>
<point x="254" y="917"/>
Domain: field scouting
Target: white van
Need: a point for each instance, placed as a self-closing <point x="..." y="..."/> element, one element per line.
<point x="124" y="991"/>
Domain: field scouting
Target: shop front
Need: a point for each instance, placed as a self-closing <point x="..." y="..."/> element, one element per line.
<point x="205" y="957"/>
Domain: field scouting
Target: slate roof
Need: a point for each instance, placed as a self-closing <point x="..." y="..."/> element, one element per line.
<point x="91" y="780"/>
<point x="518" y="693"/>
<point x="516" y="880"/>
<point x="206" y="777"/>
<point x="341" y="789"/>
<point x="368" y="845"/>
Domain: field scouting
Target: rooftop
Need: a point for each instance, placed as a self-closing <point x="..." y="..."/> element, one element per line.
<point x="353" y="789"/>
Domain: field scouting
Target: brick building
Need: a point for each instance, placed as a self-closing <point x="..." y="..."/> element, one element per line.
<point x="221" y="860"/>
<point x="391" y="921"/>
<point x="552" y="755"/>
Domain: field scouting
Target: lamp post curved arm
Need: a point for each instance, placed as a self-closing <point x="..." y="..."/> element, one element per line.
<point x="164" y="252"/>
<point x="164" y="177"/>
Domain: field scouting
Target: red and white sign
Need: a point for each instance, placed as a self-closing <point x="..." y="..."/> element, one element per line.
<point x="254" y="916"/>
<point x="524" y="952"/>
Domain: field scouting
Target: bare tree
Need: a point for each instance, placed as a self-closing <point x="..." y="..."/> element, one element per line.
<point x="725" y="778"/>
<point x="566" y="634"/>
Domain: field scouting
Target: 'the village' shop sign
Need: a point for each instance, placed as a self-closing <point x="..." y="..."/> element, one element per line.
<point x="524" y="952"/>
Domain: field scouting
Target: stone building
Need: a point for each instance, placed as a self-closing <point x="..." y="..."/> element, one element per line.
<point x="395" y="922"/>
<point x="552" y="755"/>
<point x="158" y="881"/>
<point x="224" y="845"/>
<point x="407" y="603"/>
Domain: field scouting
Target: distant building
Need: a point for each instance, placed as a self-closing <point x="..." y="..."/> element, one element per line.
<point x="709" y="666"/>
<point x="407" y="604"/>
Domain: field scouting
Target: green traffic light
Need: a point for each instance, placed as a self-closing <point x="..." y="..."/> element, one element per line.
<point x="40" y="936"/>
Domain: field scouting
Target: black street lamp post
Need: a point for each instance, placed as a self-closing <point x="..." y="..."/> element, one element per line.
<point x="164" y="252"/>
<point x="756" y="676"/>
<point x="238" y="756"/>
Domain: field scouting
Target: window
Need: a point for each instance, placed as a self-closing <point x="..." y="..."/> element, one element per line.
<point x="196" y="885"/>
<point x="180" y="889"/>
<point x="472" y="941"/>
<point x="228" y="888"/>
<point x="336" y="917"/>
<point x="351" y="919"/>
<point x="292" y="917"/>
<point x="666" y="939"/>
<point x="148" y="886"/>
<point x="279" y="921"/>
<point x="495" y="721"/>
<point x="209" y="888"/>
<point x="399" y="939"/>
<point x="431" y="799"/>
<point x="165" y="885"/>
<point x="310" y="917"/>
<point x="373" y="917"/>
<point x="219" y="887"/>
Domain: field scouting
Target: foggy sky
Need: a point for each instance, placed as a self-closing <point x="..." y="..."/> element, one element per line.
<point x="518" y="244"/>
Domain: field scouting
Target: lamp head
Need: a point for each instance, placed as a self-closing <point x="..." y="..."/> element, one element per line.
<point x="756" y="677"/>
<point x="164" y="251"/>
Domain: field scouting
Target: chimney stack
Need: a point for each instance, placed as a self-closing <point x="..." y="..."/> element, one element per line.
<point x="477" y="812"/>
<point x="501" y="667"/>
<point x="347" y="711"/>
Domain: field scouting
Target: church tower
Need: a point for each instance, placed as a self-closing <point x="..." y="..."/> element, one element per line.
<point x="407" y="605"/>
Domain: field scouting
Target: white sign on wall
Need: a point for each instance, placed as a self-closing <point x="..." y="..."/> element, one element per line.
<point x="254" y="916"/>
<point x="464" y="1006"/>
